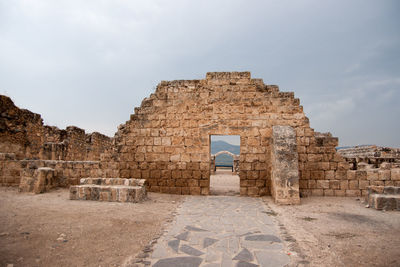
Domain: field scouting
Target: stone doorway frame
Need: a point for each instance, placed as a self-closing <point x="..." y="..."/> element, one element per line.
<point x="236" y="158"/>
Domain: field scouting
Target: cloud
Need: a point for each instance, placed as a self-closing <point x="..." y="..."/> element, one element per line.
<point x="89" y="63"/>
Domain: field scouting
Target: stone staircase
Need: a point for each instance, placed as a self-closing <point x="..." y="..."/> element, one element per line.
<point x="109" y="189"/>
<point x="383" y="197"/>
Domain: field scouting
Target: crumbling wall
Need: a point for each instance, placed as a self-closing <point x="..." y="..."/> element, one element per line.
<point x="67" y="173"/>
<point x="20" y="130"/>
<point x="26" y="145"/>
<point x="322" y="170"/>
<point x="73" y="144"/>
<point x="23" y="133"/>
<point x="370" y="154"/>
<point x="167" y="140"/>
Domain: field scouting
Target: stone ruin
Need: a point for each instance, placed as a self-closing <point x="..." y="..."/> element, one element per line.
<point x="167" y="143"/>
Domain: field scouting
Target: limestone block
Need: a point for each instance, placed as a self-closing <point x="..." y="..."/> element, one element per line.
<point x="353" y="193"/>
<point x="285" y="171"/>
<point x="329" y="175"/>
<point x="352" y="174"/>
<point x="339" y="193"/>
<point x="372" y="175"/>
<point x="312" y="184"/>
<point x="361" y="175"/>
<point x="324" y="166"/>
<point x="334" y="184"/>
<point x="363" y="184"/>
<point x="353" y="184"/>
<point x="384" y="174"/>
<point x="323" y="184"/>
<point x="329" y="192"/>
<point x="73" y="192"/>
<point x="317" y="192"/>
<point x="395" y="174"/>
<point x="377" y="183"/>
<point x="195" y="190"/>
<point x="384" y="202"/>
<point x="318" y="175"/>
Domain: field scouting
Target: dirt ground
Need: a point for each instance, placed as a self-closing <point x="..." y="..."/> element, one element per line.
<point x="333" y="231"/>
<point x="51" y="230"/>
<point x="223" y="182"/>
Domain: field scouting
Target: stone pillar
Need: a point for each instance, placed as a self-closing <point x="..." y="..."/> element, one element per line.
<point x="284" y="166"/>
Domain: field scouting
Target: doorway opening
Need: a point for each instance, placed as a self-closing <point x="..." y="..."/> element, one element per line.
<point x="224" y="169"/>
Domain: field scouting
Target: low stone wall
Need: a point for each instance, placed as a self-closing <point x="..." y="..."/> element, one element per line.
<point x="66" y="173"/>
<point x="351" y="183"/>
<point x="10" y="170"/>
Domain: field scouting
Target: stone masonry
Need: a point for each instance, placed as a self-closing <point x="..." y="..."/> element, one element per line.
<point x="167" y="142"/>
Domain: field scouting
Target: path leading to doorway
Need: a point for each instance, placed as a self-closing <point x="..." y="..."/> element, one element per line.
<point x="220" y="231"/>
<point x="224" y="182"/>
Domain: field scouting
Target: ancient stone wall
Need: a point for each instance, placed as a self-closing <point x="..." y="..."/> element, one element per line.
<point x="31" y="152"/>
<point x="23" y="133"/>
<point x="167" y="140"/>
<point x="371" y="154"/>
<point x="20" y="130"/>
<point x="67" y="173"/>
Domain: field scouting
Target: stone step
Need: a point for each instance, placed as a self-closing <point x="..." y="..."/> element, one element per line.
<point x="114" y="193"/>
<point x="384" y="201"/>
<point x="113" y="181"/>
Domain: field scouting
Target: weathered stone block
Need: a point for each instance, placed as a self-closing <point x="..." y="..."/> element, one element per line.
<point x="352" y="175"/>
<point x="340" y="193"/>
<point x="353" y="184"/>
<point x="363" y="184"/>
<point x="285" y="174"/>
<point x="317" y="192"/>
<point x="334" y="184"/>
<point x="384" y="174"/>
<point x="329" y="192"/>
<point x="195" y="190"/>
<point x="312" y="184"/>
<point x="361" y="175"/>
<point x="395" y="174"/>
<point x="372" y="175"/>
<point x="323" y="184"/>
<point x="329" y="175"/>
<point x="353" y="193"/>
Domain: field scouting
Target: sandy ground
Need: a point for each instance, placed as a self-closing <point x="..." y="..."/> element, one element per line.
<point x="224" y="183"/>
<point x="340" y="232"/>
<point x="51" y="230"/>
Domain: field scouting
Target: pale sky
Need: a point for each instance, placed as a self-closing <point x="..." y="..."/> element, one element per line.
<point x="89" y="63"/>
